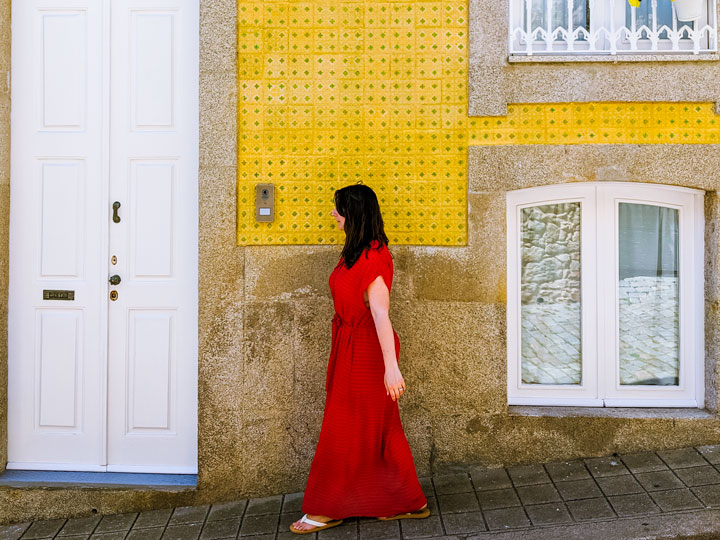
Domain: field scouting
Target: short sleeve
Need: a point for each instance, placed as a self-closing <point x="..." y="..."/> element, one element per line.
<point x="378" y="263"/>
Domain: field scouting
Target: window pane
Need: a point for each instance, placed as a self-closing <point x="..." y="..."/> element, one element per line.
<point x="648" y="295"/>
<point x="558" y="10"/>
<point x="644" y="14"/>
<point x="550" y="294"/>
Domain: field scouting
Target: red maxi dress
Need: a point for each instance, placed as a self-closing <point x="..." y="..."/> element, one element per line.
<point x="362" y="465"/>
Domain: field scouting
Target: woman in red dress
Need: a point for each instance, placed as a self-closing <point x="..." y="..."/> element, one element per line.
<point x="362" y="464"/>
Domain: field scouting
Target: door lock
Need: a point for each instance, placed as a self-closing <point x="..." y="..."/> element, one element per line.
<point x="115" y="280"/>
<point x="113" y="295"/>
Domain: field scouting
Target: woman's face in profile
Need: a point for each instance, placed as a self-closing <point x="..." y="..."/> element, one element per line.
<point x="340" y="220"/>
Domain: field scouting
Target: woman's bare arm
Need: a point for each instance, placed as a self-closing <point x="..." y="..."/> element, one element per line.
<point x="379" y="301"/>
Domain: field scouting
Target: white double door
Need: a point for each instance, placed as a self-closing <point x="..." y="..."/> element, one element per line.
<point x="104" y="159"/>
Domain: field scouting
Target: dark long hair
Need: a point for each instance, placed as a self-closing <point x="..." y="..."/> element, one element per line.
<point x="359" y="206"/>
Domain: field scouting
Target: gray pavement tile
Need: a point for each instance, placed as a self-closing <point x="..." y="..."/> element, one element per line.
<point x="645" y="462"/>
<point x="347" y="531"/>
<point x="606" y="466"/>
<point x="587" y="509"/>
<point x="379" y="530"/>
<point x="548" y="514"/>
<point x="13" y="532"/>
<point x="43" y="528"/>
<point x="525" y="475"/>
<point x="283" y="536"/>
<point x="227" y="510"/>
<point x="659" y="480"/>
<point x="151" y="533"/>
<point x="114" y="535"/>
<point x="471" y="522"/>
<point x="578" y="489"/>
<point x="427" y="486"/>
<point x="264" y="505"/>
<point x="676" y="499"/>
<point x="292" y="502"/>
<point x="421" y="528"/>
<point x="567" y="470"/>
<point x="81" y="537"/>
<point x="505" y="518"/>
<point x="80" y="526"/>
<point x="225" y="528"/>
<point x="633" y="505"/>
<point x="452" y="483"/>
<point x="683" y="457"/>
<point x="263" y="524"/>
<point x="186" y="531"/>
<point x="538" y="494"/>
<point x="698" y="476"/>
<point x="619" y="485"/>
<point x="485" y="479"/>
<point x="153" y="518"/>
<point x="498" y="498"/>
<point x="189" y="514"/>
<point x="432" y="505"/>
<point x="287" y="519"/>
<point x="710" y="452"/>
<point x="115" y="522"/>
<point x="455" y="503"/>
<point x="709" y="495"/>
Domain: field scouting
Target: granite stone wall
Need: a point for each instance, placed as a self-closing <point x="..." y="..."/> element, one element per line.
<point x="4" y="214"/>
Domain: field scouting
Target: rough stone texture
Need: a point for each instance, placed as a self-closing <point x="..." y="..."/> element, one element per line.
<point x="495" y="81"/>
<point x="4" y="215"/>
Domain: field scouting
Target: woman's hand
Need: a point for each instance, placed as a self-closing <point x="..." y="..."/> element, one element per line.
<point x="394" y="382"/>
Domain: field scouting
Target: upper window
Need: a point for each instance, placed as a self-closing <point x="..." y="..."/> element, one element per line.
<point x="567" y="27"/>
<point x="605" y="295"/>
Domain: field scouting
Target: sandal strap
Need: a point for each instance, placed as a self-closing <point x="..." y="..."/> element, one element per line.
<point x="306" y="519"/>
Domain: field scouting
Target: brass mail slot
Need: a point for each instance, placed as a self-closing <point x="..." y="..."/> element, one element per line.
<point x="58" y="295"/>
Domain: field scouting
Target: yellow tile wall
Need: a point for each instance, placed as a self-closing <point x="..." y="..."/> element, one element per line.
<point x="336" y="92"/>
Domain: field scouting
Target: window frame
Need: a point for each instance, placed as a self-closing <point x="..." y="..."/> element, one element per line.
<point x="599" y="294"/>
<point x="602" y="16"/>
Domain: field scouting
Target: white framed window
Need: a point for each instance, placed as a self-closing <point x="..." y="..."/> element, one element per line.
<point x="605" y="295"/>
<point x="577" y="27"/>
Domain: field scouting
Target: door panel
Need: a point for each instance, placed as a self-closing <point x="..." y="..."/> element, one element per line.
<point x="152" y="392"/>
<point x="59" y="366"/>
<point x="57" y="348"/>
<point x="62" y="224"/>
<point x="151" y="370"/>
<point x="62" y="76"/>
<point x="152" y="190"/>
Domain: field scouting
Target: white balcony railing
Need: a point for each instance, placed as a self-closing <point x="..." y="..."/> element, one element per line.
<point x="576" y="27"/>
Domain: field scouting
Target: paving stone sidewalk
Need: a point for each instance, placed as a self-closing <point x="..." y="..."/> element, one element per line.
<point x="675" y="490"/>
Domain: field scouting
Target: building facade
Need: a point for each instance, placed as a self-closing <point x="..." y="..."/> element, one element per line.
<point x="550" y="197"/>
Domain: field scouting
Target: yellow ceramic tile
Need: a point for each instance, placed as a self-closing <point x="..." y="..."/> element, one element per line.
<point x="428" y="14"/>
<point x="335" y="92"/>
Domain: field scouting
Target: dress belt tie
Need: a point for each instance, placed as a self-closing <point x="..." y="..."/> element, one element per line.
<point x="337" y="322"/>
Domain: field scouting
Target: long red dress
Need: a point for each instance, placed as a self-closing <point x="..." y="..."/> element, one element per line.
<point x="362" y="465"/>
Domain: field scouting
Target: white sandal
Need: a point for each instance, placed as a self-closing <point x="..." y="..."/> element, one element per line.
<point x="319" y="525"/>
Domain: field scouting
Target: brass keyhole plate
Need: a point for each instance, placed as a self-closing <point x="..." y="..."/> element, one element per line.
<point x="114" y="259"/>
<point x="113" y="295"/>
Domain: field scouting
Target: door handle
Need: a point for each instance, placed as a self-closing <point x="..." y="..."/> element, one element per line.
<point x="115" y="280"/>
<point x="116" y="217"/>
